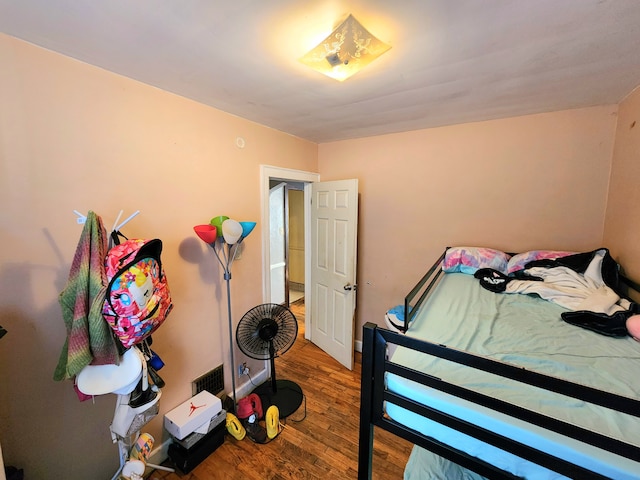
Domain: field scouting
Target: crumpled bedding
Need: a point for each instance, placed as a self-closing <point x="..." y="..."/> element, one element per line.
<point x="585" y="283"/>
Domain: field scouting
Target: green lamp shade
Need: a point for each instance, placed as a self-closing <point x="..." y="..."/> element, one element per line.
<point x="217" y="222"/>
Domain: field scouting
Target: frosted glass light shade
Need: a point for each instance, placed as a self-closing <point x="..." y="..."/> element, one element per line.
<point x="348" y="49"/>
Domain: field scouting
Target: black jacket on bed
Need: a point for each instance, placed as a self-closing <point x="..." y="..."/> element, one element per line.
<point x="588" y="284"/>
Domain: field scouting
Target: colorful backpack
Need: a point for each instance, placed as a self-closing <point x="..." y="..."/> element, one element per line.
<point x="137" y="300"/>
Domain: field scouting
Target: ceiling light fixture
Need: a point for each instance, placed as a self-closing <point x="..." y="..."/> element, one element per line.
<point x="348" y="49"/>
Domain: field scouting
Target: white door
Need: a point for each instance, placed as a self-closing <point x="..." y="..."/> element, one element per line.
<point x="277" y="244"/>
<point x="334" y="222"/>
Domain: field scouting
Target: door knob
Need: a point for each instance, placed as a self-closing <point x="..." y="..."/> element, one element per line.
<point x="348" y="286"/>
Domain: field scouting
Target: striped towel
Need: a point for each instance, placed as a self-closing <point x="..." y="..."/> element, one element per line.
<point x="89" y="338"/>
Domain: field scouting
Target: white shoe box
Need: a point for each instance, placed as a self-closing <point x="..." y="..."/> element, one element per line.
<point x="192" y="414"/>
<point x="200" y="432"/>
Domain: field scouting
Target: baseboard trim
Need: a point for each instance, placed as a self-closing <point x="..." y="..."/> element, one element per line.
<point x="159" y="454"/>
<point x="247" y="387"/>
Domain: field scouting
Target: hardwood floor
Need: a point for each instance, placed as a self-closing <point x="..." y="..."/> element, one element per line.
<point x="324" y="445"/>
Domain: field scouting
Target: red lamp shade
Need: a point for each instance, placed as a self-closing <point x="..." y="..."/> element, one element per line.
<point x="207" y="233"/>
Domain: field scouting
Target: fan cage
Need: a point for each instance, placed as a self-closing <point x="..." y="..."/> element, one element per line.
<point x="267" y="331"/>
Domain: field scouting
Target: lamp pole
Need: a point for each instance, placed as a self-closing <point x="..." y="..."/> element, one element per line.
<point x="233" y="233"/>
<point x="227" y="277"/>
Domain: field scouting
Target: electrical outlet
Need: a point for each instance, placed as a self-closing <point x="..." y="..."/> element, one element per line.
<point x="243" y="369"/>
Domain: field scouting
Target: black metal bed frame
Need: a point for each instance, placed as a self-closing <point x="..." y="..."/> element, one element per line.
<point x="375" y="364"/>
<point x="411" y="305"/>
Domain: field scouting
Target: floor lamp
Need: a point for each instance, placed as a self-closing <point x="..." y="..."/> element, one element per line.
<point x="224" y="236"/>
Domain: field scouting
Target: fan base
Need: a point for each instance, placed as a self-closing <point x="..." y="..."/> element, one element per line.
<point x="288" y="396"/>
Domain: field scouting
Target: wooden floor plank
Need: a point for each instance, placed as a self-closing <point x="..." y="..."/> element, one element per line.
<point x="323" y="446"/>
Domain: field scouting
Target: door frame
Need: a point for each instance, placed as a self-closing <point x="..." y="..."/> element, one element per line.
<point x="267" y="173"/>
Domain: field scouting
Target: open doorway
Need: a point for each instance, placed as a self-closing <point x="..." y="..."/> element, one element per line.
<point x="330" y="252"/>
<point x="287" y="242"/>
<point x="296" y="254"/>
<point x="300" y="181"/>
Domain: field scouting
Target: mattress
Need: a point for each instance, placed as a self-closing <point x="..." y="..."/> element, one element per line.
<point x="528" y="332"/>
<point x="423" y="464"/>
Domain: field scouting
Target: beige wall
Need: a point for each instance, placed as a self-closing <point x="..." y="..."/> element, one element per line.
<point x="73" y="136"/>
<point x="623" y="208"/>
<point x="538" y="181"/>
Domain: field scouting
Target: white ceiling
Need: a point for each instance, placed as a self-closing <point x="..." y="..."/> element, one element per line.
<point x="451" y="61"/>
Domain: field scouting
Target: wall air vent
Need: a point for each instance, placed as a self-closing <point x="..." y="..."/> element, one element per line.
<point x="212" y="382"/>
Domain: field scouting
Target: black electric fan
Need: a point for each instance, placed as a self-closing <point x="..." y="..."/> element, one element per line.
<point x="264" y="333"/>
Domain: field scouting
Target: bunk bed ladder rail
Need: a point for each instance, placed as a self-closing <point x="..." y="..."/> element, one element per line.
<point x="373" y="395"/>
<point x="411" y="305"/>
